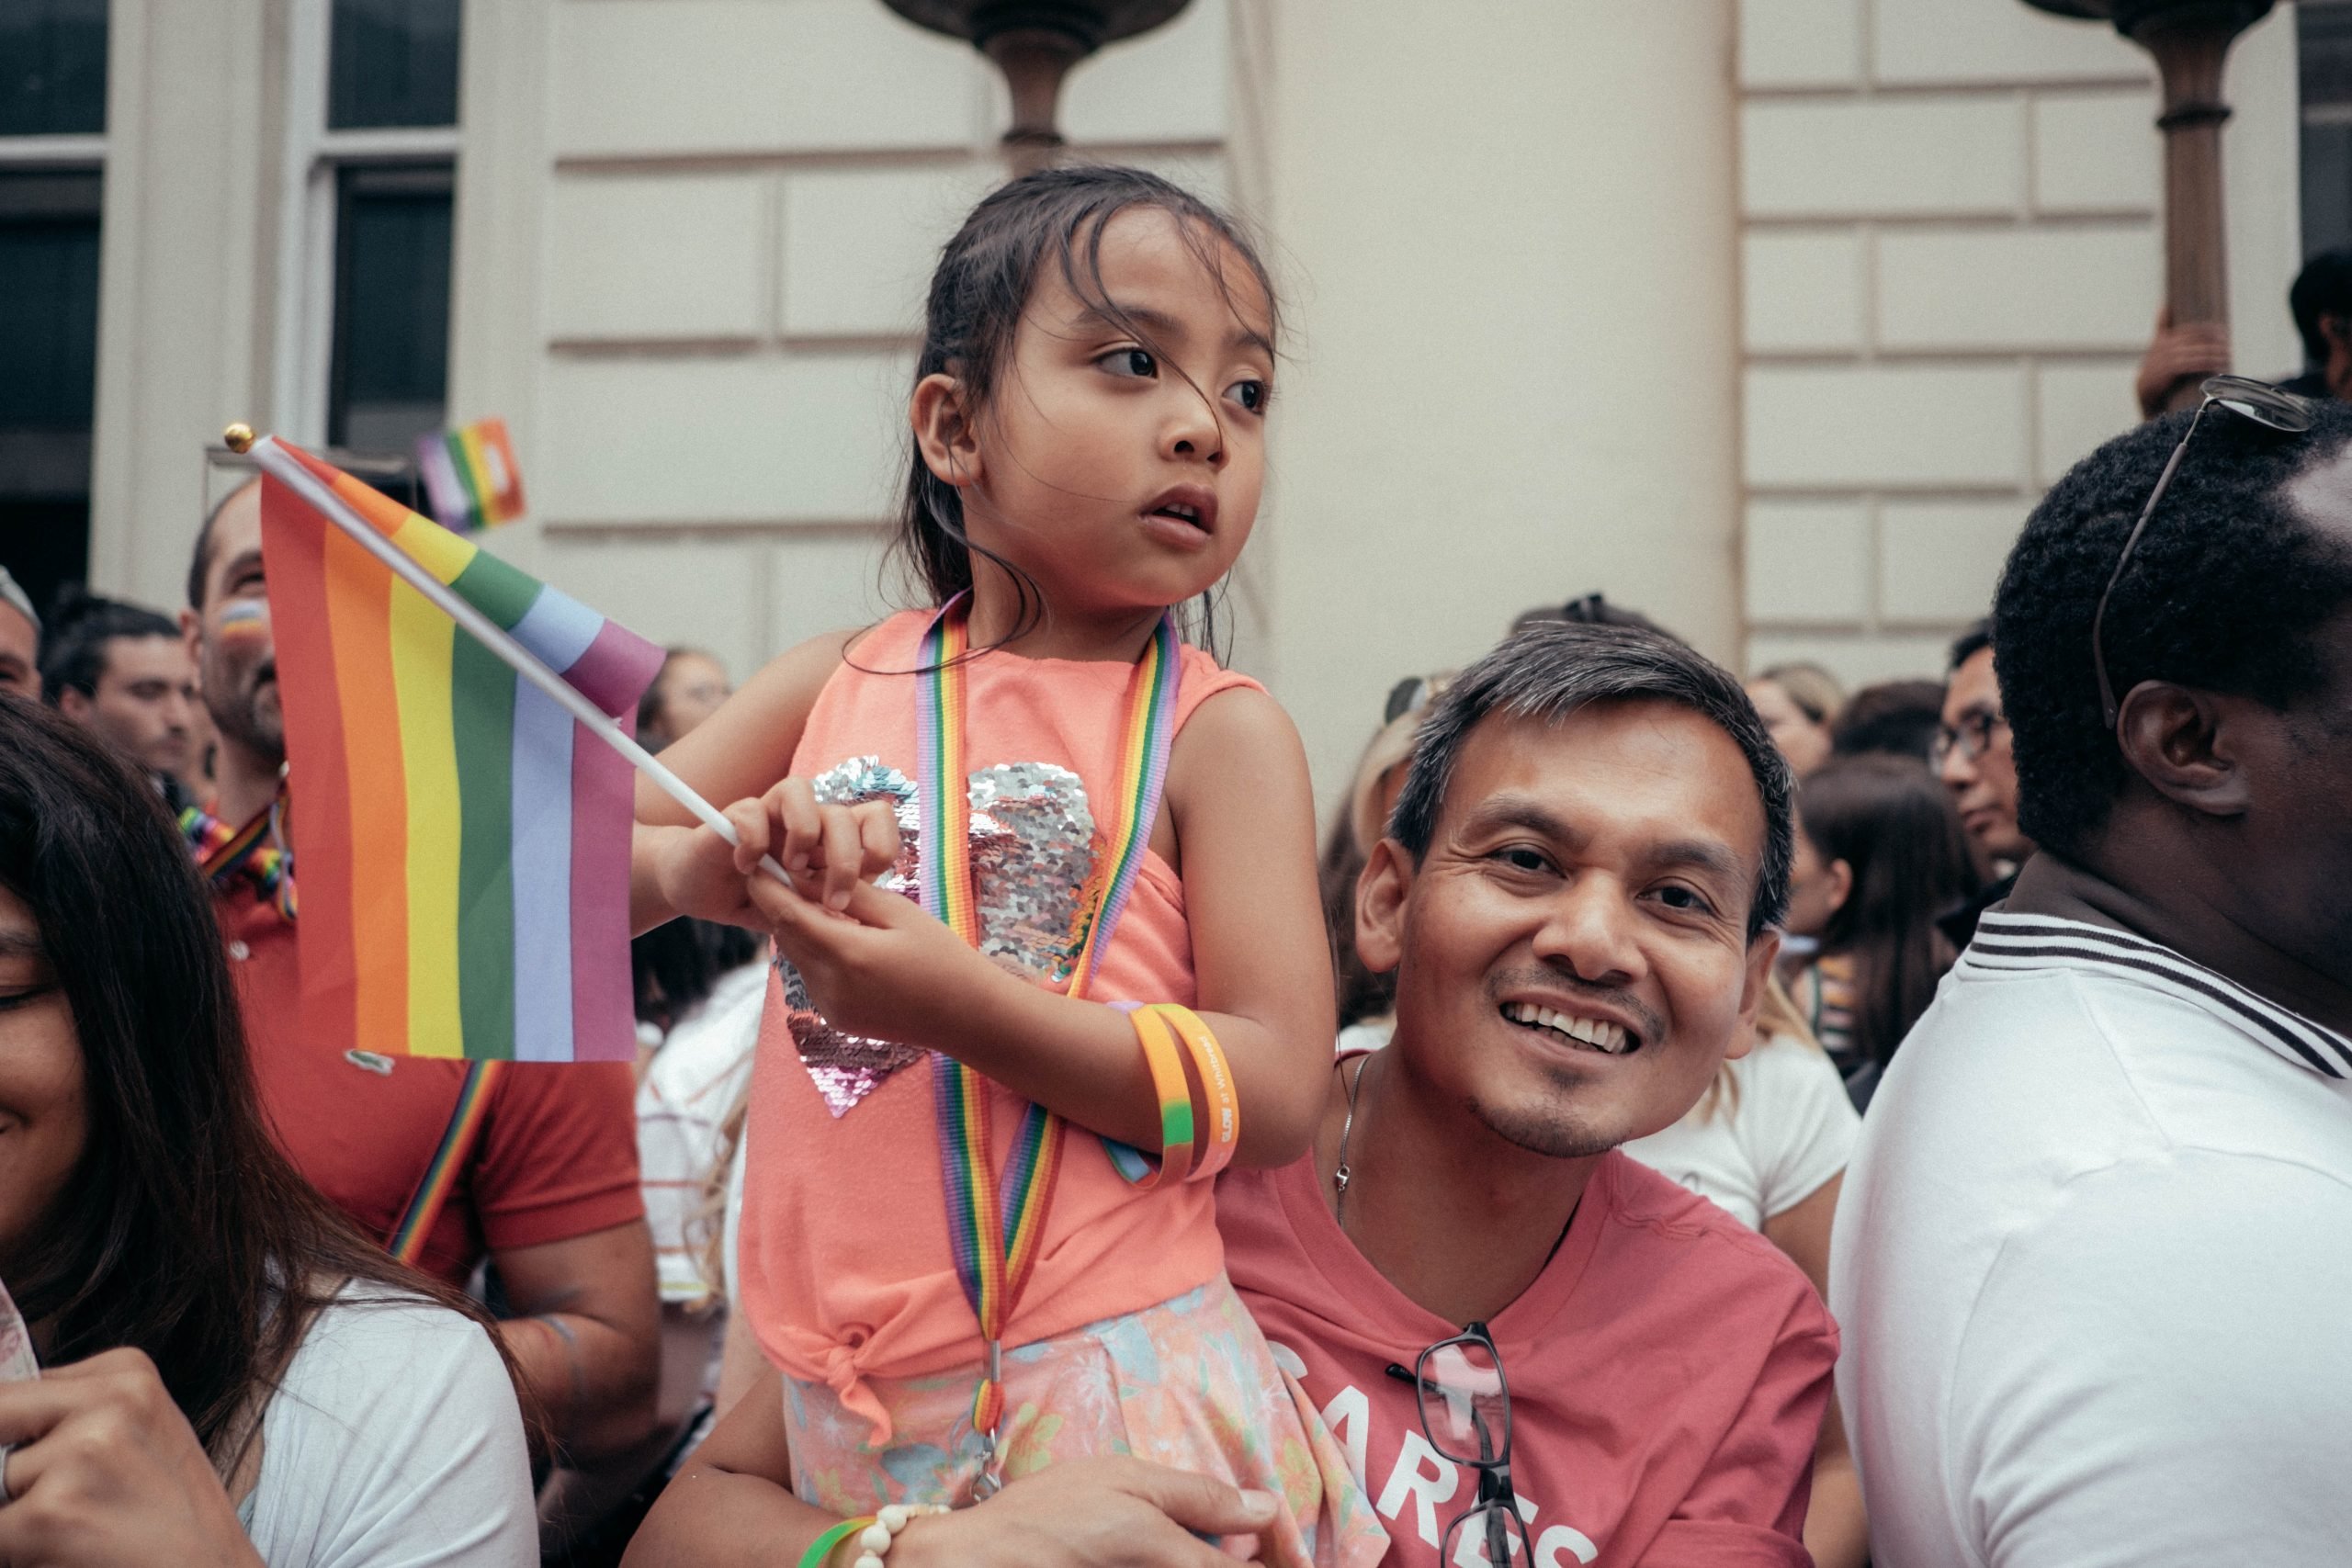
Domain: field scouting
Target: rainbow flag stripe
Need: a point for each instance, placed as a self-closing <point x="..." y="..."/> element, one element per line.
<point x="472" y="476"/>
<point x="464" y="849"/>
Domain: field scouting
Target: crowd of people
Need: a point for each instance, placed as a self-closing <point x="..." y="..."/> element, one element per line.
<point x="1672" y="1121"/>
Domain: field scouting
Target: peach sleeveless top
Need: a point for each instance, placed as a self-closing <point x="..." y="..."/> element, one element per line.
<point x="845" y="1260"/>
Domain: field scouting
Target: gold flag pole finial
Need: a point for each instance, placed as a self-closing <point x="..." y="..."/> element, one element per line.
<point x="238" y="437"/>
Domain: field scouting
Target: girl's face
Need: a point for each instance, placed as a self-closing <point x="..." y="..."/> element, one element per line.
<point x="43" y="1122"/>
<point x="1122" y="476"/>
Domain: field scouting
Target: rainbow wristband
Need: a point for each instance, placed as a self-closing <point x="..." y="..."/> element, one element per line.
<point x="1175" y="1095"/>
<point x="1224" y="1101"/>
<point x="822" y="1547"/>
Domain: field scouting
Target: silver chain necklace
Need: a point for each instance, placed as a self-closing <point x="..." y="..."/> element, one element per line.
<point x="1340" y="1173"/>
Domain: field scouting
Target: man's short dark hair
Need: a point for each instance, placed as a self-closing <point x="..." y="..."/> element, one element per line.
<point x="2224" y="594"/>
<point x="1592" y="609"/>
<point x="2322" y="289"/>
<point x="79" y="627"/>
<point x="1550" y="669"/>
<point x="199" y="564"/>
<point x="1969" y="644"/>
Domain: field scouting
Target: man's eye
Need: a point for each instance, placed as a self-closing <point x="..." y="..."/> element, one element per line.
<point x="1133" y="362"/>
<point x="1250" y="394"/>
<point x="1678" y="897"/>
<point x="1522" y="858"/>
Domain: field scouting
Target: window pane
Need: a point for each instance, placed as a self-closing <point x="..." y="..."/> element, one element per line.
<point x="391" y="314"/>
<point x="49" y="355"/>
<point x="392" y="63"/>
<point x="53" y="67"/>
<point x="2323" y="53"/>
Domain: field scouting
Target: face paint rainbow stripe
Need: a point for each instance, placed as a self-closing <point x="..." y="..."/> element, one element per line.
<point x="242" y="620"/>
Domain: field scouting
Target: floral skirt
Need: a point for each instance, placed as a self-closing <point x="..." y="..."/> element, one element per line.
<point x="1188" y="1383"/>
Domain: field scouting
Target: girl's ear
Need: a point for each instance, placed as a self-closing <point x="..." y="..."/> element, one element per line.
<point x="944" y="430"/>
<point x="1839" y="876"/>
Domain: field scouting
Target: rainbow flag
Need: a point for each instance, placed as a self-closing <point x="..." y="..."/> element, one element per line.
<point x="470" y="475"/>
<point x="462" y="843"/>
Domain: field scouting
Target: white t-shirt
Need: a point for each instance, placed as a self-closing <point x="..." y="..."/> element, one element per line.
<point x="394" y="1442"/>
<point x="2093" y="1262"/>
<point x="703" y="1066"/>
<point x="1788" y="1130"/>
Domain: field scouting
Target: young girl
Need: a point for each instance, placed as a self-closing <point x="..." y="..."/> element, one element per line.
<point x="951" y="1246"/>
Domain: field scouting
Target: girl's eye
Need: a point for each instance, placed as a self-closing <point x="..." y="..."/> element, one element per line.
<point x="1251" y="395"/>
<point x="1133" y="362"/>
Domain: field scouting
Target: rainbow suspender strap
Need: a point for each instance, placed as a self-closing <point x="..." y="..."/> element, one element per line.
<point x="997" y="1231"/>
<point x="432" y="1188"/>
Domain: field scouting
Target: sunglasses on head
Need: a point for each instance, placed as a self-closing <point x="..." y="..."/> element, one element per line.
<point x="2257" y="400"/>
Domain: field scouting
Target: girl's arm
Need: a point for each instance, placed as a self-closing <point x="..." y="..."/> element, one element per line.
<point x="678" y="867"/>
<point x="733" y="1507"/>
<point x="1239" y="803"/>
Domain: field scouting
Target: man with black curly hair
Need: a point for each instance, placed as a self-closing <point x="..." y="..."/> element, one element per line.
<point x="2095" y="1251"/>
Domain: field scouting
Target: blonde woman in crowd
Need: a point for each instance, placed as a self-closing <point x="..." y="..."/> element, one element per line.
<point x="1799" y="704"/>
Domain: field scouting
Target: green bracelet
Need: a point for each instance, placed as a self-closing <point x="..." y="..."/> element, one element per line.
<point x="822" y="1547"/>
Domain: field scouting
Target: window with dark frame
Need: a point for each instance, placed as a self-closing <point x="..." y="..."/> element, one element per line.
<point x="392" y="64"/>
<point x="2323" y="54"/>
<point x="52" y="86"/>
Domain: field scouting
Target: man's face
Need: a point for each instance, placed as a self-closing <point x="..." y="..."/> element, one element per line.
<point x="1976" y="763"/>
<point x="20" y="654"/>
<point x="143" y="702"/>
<point x="228" y="633"/>
<point x="1572" y="953"/>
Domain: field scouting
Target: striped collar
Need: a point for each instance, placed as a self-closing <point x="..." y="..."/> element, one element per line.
<point x="2010" y="944"/>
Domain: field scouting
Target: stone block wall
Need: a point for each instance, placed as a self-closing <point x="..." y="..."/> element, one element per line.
<point x="738" y="205"/>
<point x="1951" y="260"/>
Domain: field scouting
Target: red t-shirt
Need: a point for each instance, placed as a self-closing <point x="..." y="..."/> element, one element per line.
<point x="1667" y="1372"/>
<point x="556" y="1158"/>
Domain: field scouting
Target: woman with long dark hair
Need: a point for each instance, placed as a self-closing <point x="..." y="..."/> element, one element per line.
<point x="232" y="1374"/>
<point x="1879" y="855"/>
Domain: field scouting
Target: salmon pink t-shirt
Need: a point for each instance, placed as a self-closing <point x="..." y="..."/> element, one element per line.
<point x="1667" y="1370"/>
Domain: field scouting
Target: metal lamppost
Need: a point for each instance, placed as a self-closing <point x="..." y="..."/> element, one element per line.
<point x="2189" y="39"/>
<point x="1035" y="43"/>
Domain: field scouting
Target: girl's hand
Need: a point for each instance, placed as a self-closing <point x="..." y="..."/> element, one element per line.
<point x="699" y="874"/>
<point x="107" y="1473"/>
<point x="1092" y="1512"/>
<point x="882" y="966"/>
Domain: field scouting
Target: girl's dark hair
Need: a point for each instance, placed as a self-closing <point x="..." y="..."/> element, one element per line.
<point x="1892" y="823"/>
<point x="673" y="967"/>
<point x="983" y="283"/>
<point x="183" y="1231"/>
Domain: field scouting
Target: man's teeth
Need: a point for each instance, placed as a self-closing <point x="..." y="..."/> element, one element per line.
<point x="1598" y="1033"/>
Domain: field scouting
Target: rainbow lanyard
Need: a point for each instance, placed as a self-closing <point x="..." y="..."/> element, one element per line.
<point x="440" y="1179"/>
<point x="996" y="1233"/>
<point x="257" y="849"/>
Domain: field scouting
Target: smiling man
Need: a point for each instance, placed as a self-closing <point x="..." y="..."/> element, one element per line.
<point x="1577" y="895"/>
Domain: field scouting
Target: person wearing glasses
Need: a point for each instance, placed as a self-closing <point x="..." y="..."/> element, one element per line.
<point x="1532" y="1348"/>
<point x="2094" y="1253"/>
<point x="1971" y="756"/>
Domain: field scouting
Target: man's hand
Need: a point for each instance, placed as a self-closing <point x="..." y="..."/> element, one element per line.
<point x="1093" y="1513"/>
<point x="2178" y="356"/>
<point x="107" y="1473"/>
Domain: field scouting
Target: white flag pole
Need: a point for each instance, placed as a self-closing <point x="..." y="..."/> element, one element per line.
<point x="289" y="470"/>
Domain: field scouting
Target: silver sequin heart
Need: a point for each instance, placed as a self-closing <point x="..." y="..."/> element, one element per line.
<point x="1033" y="851"/>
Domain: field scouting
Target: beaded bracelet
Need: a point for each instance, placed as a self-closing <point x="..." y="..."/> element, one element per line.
<point x="1224" y="1120"/>
<point x="875" y="1541"/>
